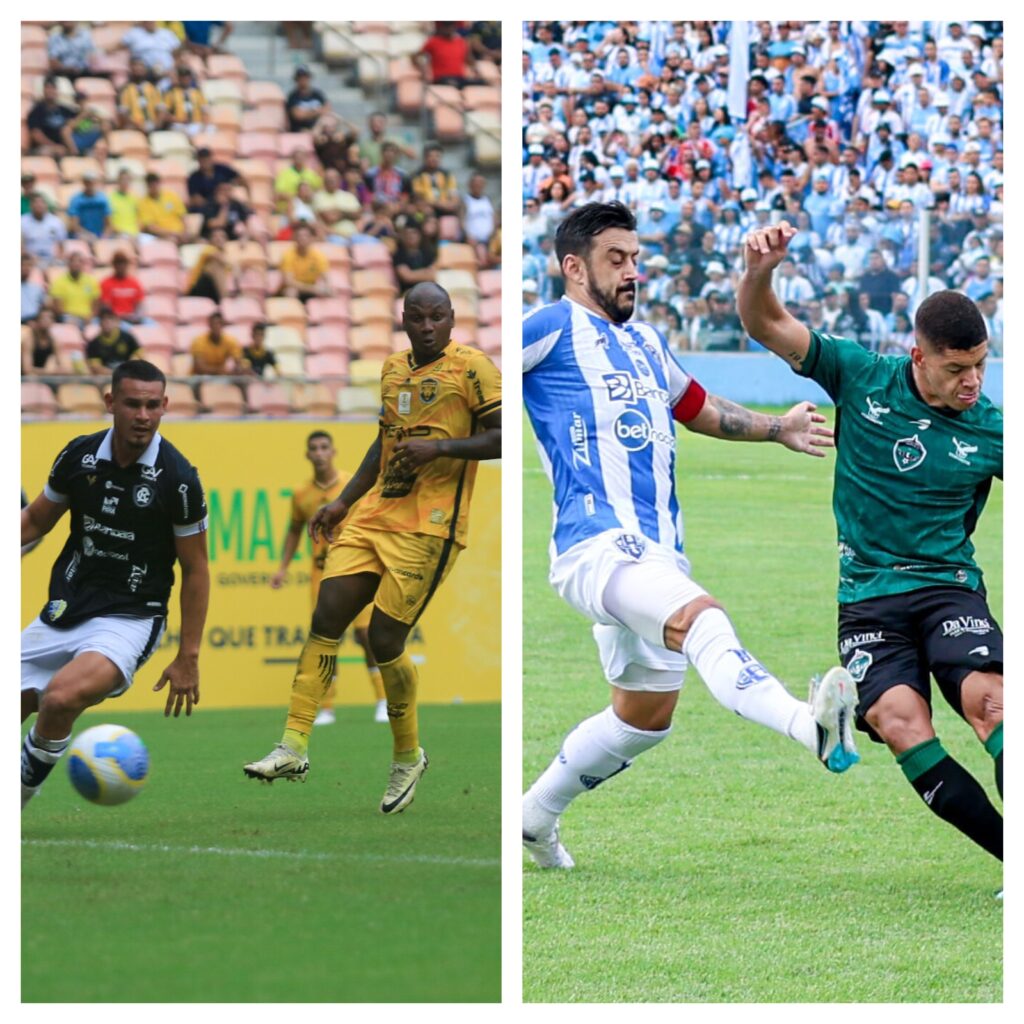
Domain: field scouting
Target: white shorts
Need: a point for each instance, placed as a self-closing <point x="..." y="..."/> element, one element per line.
<point x="651" y="583"/>
<point x="128" y="643"/>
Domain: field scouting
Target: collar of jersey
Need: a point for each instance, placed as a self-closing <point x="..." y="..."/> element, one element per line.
<point x="147" y="458"/>
<point x="413" y="367"/>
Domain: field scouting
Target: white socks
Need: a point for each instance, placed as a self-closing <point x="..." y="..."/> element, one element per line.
<point x="738" y="681"/>
<point x="598" y="748"/>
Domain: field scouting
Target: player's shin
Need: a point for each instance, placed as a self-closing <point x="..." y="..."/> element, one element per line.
<point x="994" y="745"/>
<point x="739" y="682"/>
<point x="953" y="794"/>
<point x="313" y="676"/>
<point x="38" y="756"/>
<point x="598" y="748"/>
<point x="400" y="681"/>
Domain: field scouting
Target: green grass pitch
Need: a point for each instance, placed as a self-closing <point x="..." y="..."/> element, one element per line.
<point x="726" y="864"/>
<point x="212" y="887"/>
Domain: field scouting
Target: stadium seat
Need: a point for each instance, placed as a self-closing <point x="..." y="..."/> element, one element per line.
<point x="265" y="119"/>
<point x="104" y="249"/>
<point x="362" y="372"/>
<point x="314" y="399"/>
<point x="193" y="309"/>
<point x="80" y="399"/>
<point x="252" y="283"/>
<point x="484" y="128"/>
<point x="291" y="363"/>
<point x="263" y="94"/>
<point x="375" y="309"/>
<point x="489" y="282"/>
<point x="43" y="167"/>
<point x="481" y="97"/>
<point x="128" y="143"/>
<point x="158" y="253"/>
<point x="258" y="146"/>
<point x="161" y="360"/>
<point x="171" y="145"/>
<point x="284" y="339"/>
<point x="409" y="94"/>
<point x="254" y="170"/>
<point x="181" y="364"/>
<point x="158" y="281"/>
<point x="181" y="402"/>
<point x="154" y="338"/>
<point x="34" y="60"/>
<point x="268" y="398"/>
<point x="458" y="282"/>
<point x="37" y="399"/>
<point x="370" y="341"/>
<point x="222" y="398"/>
<point x="375" y="281"/>
<point x="134" y="166"/>
<point x="163" y="309"/>
<point x="466" y="309"/>
<point x="227" y="66"/>
<point x="326" y="364"/>
<point x="243" y="255"/>
<point x="332" y="337"/>
<point x="289" y="142"/>
<point x="328" y="311"/>
<point x="361" y="400"/>
<point x="489" y="311"/>
<point x="489" y="72"/>
<point x="287" y="312"/>
<point x="225" y="119"/>
<point x="222" y="144"/>
<point x="443" y="96"/>
<point x="338" y="256"/>
<point x="33" y="35"/>
<point x="67" y="336"/>
<point x="243" y="311"/>
<point x="223" y="92"/>
<point x="275" y="250"/>
<point x="455" y="256"/>
<point x="74" y="168"/>
<point x="185" y="334"/>
<point x="371" y="254"/>
<point x="489" y="340"/>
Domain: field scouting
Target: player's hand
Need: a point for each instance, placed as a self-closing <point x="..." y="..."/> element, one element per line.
<point x="277" y="580"/>
<point x="415" y="453"/>
<point x="326" y="518"/>
<point x="183" y="675"/>
<point x="802" y="430"/>
<point x="765" y="248"/>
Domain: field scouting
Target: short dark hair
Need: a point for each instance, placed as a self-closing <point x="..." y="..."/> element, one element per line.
<point x="948" y="320"/>
<point x="318" y="434"/>
<point x="138" y="369"/>
<point x="576" y="233"/>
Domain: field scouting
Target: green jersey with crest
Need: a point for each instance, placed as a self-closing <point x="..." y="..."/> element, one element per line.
<point x="910" y="480"/>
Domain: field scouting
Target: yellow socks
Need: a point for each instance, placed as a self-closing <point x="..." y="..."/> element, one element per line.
<point x="313" y="677"/>
<point x="376" y="682"/>
<point x="400" y="679"/>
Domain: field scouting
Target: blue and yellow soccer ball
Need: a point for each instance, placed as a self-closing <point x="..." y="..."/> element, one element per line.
<point x="108" y="764"/>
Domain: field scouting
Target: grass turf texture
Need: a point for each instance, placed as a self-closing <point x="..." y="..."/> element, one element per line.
<point x="726" y="864"/>
<point x="368" y="908"/>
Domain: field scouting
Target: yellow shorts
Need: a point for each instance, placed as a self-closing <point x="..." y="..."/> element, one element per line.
<point x="361" y="621"/>
<point x="411" y="566"/>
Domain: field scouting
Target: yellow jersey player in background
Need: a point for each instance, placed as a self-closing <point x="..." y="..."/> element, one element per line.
<point x="326" y="485"/>
<point x="440" y="415"/>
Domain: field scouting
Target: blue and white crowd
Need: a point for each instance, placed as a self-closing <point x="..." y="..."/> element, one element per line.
<point x="849" y="130"/>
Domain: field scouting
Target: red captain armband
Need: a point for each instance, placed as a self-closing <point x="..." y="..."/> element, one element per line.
<point x="690" y="404"/>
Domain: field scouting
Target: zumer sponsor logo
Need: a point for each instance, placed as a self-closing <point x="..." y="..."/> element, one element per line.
<point x="634" y="432"/>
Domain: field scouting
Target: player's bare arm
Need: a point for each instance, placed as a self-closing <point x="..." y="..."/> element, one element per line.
<point x="485" y="444"/>
<point x="800" y="429"/>
<point x="39" y="518"/>
<point x="291" y="545"/>
<point x="183" y="673"/>
<point x="764" y="318"/>
<point x="324" y="523"/>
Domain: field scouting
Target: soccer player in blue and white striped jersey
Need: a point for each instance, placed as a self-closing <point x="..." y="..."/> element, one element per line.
<point x="603" y="394"/>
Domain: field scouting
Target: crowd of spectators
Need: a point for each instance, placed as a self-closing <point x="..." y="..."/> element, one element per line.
<point x="280" y="222"/>
<point x="852" y="131"/>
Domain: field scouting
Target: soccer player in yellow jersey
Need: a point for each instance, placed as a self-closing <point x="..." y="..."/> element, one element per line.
<point x="325" y="486"/>
<point x="440" y="414"/>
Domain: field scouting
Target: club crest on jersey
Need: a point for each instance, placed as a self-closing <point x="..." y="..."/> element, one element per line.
<point x="858" y="665"/>
<point x="55" y="609"/>
<point x="908" y="453"/>
<point x="632" y="545"/>
<point x="142" y="495"/>
<point x="875" y="411"/>
<point x="961" y="451"/>
<point x="428" y="390"/>
<point x="404" y="402"/>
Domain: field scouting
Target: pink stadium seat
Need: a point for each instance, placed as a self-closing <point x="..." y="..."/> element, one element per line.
<point x="163" y="309"/>
<point x="448" y="124"/>
<point x="96" y="90"/>
<point x="489" y="339"/>
<point x="181" y="402"/>
<point x="67" y="336"/>
<point x="409" y="96"/>
<point x="43" y="167"/>
<point x="314" y="399"/>
<point x="258" y="94"/>
<point x="374" y="281"/>
<point x="80" y="399"/>
<point x="74" y="168"/>
<point x="225" y="118"/>
<point x="222" y="144"/>
<point x="154" y="338"/>
<point x="252" y="283"/>
<point x="128" y="143"/>
<point x="328" y="311"/>
<point x="286" y="312"/>
<point x="224" y="65"/>
<point x="371" y="254"/>
<point x="374" y="309"/>
<point x="443" y="96"/>
<point x="456" y="256"/>
<point x="257" y="145"/>
<point x="268" y="399"/>
<point x="331" y="337"/>
<point x="289" y="142"/>
<point x="33" y="60"/>
<point x="161" y="280"/>
<point x="489" y="311"/>
<point x="222" y="398"/>
<point x="337" y="255"/>
<point x="489" y="282"/>
<point x="327" y="364"/>
<point x="161" y="360"/>
<point x="489" y="72"/>
<point x="104" y="249"/>
<point x="266" y="118"/>
<point x="481" y="97"/>
<point x="192" y="309"/>
<point x="78" y="245"/>
<point x="243" y="311"/>
<point x="185" y="334"/>
<point x="33" y="35"/>
<point x="371" y="341"/>
<point x="254" y="170"/>
<point x="158" y="253"/>
<point x="451" y="229"/>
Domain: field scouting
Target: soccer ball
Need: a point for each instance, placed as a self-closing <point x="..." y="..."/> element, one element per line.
<point x="108" y="764"/>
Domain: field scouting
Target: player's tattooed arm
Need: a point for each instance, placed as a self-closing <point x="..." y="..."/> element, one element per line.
<point x="800" y="429"/>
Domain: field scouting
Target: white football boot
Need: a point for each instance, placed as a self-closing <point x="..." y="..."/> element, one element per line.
<point x="402" y="782"/>
<point x="281" y="763"/>
<point x="833" y="699"/>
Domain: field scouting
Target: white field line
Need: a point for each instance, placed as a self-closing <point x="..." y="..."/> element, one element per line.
<point x="225" y="851"/>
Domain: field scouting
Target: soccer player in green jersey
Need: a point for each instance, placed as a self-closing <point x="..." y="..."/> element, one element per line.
<point x="917" y="446"/>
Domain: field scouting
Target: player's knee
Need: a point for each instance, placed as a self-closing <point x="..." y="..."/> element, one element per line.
<point x="900" y="726"/>
<point x="981" y="696"/>
<point x="386" y="639"/>
<point x="63" y="699"/>
<point x="680" y="621"/>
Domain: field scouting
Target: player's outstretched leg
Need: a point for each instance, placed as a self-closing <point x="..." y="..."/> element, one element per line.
<point x="338" y="601"/>
<point x="84" y="681"/>
<point x="598" y="748"/>
<point x="902" y="719"/>
<point x="398" y="673"/>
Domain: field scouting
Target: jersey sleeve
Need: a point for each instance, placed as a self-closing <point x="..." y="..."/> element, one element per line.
<point x="541" y="331"/>
<point x="58" y="482"/>
<point x="189" y="505"/>
<point x="298" y="514"/>
<point x="832" y="361"/>
<point x="483" y="386"/>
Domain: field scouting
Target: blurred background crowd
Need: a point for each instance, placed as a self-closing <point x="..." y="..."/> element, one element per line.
<point x="880" y="141"/>
<point x="245" y="204"/>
